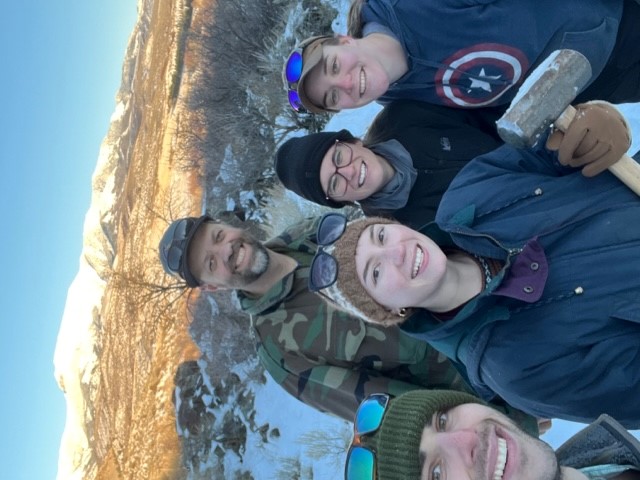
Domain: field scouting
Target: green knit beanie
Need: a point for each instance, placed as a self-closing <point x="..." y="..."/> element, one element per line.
<point x="397" y="442"/>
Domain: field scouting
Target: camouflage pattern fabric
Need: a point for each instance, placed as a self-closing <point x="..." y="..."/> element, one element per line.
<point x="329" y="359"/>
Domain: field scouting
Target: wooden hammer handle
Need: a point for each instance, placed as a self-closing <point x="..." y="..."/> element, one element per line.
<point x="626" y="169"/>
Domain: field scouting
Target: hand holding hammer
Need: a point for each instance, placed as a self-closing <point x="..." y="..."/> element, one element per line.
<point x="544" y="99"/>
<point x="595" y="139"/>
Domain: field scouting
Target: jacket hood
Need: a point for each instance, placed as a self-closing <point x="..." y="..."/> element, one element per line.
<point x="603" y="442"/>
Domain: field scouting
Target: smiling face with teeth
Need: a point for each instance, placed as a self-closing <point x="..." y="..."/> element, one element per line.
<point x="221" y="256"/>
<point x="475" y="442"/>
<point x="366" y="174"/>
<point x="399" y="267"/>
<point x="349" y="75"/>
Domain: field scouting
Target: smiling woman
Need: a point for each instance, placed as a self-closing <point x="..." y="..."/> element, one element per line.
<point x="401" y="269"/>
<point x="350" y="172"/>
<point x="390" y="55"/>
<point x="511" y="282"/>
<point x="350" y="73"/>
<point x="402" y="168"/>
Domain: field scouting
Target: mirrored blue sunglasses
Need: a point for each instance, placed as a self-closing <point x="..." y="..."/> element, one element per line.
<point x="292" y="74"/>
<point x="361" y="460"/>
<point x="293" y="68"/>
<point x="324" y="267"/>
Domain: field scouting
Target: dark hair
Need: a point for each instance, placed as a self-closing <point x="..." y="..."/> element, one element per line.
<point x="379" y="131"/>
<point x="354" y="19"/>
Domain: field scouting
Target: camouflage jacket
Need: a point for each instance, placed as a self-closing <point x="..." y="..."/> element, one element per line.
<point x="326" y="358"/>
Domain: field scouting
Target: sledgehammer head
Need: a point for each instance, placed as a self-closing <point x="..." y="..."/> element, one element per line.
<point x="544" y="95"/>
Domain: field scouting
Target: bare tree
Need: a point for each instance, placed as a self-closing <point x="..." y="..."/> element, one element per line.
<point x="320" y="445"/>
<point x="237" y="107"/>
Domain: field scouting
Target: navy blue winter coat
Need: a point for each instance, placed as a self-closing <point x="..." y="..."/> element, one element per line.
<point x="557" y="332"/>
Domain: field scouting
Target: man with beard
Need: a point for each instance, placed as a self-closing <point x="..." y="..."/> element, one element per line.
<point x="323" y="356"/>
<point x="220" y="257"/>
<point x="446" y="435"/>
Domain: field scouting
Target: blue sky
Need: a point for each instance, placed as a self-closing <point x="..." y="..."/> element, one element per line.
<point x="61" y="66"/>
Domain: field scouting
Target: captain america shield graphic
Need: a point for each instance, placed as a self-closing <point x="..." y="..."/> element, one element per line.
<point x="479" y="75"/>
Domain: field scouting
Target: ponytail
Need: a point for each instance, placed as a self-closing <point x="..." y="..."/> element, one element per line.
<point x="354" y="19"/>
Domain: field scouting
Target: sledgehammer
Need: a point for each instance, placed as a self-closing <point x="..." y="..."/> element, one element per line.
<point x="544" y="98"/>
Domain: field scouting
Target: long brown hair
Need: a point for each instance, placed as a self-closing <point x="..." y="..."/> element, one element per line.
<point x="354" y="19"/>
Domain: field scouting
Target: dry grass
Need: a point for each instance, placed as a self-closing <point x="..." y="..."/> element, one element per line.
<point x="133" y="425"/>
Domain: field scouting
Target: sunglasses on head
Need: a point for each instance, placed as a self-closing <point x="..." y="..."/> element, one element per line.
<point x="292" y="74"/>
<point x="324" y="267"/>
<point x="176" y="250"/>
<point x="361" y="460"/>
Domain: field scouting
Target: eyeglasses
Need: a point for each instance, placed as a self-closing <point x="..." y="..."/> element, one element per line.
<point x="361" y="460"/>
<point x="292" y="74"/>
<point x="337" y="186"/>
<point x="324" y="267"/>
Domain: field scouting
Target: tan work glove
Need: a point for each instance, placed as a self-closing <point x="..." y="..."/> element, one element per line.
<point x="596" y="138"/>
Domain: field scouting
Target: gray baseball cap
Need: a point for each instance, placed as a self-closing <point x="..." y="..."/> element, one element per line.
<point x="174" y="247"/>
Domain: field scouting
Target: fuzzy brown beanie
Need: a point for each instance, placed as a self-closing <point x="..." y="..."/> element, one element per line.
<point x="348" y="293"/>
<point x="397" y="442"/>
<point x="298" y="161"/>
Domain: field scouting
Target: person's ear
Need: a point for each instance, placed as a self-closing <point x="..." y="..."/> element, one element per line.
<point x="397" y="316"/>
<point x="345" y="39"/>
<point x="391" y="321"/>
<point x="205" y="287"/>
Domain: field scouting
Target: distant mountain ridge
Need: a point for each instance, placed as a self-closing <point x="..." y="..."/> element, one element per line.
<point x="79" y="335"/>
